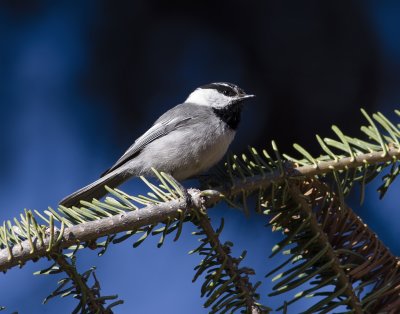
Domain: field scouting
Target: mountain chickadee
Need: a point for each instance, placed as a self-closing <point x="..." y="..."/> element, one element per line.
<point x="185" y="141"/>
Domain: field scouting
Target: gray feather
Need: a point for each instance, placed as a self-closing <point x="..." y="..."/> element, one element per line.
<point x="94" y="190"/>
<point x="163" y="126"/>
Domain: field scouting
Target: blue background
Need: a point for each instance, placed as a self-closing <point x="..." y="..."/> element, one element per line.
<point x="78" y="83"/>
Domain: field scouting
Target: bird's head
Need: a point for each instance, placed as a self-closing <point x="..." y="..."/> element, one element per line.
<point x="218" y="95"/>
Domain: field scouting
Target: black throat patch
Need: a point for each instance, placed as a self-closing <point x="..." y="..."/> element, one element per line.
<point x="230" y="115"/>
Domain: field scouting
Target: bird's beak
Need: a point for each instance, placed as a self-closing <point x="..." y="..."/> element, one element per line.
<point x="246" y="96"/>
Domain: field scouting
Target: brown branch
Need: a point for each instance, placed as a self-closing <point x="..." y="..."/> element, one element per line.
<point x="264" y="181"/>
<point x="89" y="231"/>
<point x="87" y="295"/>
<point x="343" y="280"/>
<point x="371" y="263"/>
<point x="156" y="213"/>
<point x="231" y="267"/>
<point x="361" y="260"/>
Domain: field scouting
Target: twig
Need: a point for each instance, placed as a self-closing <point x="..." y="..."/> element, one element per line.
<point x="153" y="214"/>
<point x="242" y="283"/>
<point x="87" y="295"/>
<point x="343" y="280"/>
<point x="264" y="181"/>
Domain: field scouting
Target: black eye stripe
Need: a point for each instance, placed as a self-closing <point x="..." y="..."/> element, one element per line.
<point x="228" y="92"/>
<point x="226" y="89"/>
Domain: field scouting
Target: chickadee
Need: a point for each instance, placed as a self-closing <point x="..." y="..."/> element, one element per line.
<point x="185" y="141"/>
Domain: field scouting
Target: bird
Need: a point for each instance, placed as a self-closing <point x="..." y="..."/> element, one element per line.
<point x="185" y="141"/>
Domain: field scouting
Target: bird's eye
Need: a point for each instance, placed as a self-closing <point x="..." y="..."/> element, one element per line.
<point x="228" y="92"/>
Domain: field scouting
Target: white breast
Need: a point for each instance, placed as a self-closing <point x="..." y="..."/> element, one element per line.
<point x="212" y="154"/>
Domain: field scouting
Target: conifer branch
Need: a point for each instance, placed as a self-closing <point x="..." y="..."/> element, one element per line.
<point x="343" y="280"/>
<point x="238" y="276"/>
<point x="89" y="231"/>
<point x="250" y="184"/>
<point x="89" y="301"/>
<point x="155" y="213"/>
<point x="329" y="246"/>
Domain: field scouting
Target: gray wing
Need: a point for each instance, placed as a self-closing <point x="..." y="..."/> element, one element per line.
<point x="164" y="125"/>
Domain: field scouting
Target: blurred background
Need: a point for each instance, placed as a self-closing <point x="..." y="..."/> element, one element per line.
<point x="79" y="83"/>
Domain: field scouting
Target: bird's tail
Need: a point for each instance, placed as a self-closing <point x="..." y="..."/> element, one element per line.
<point x="95" y="189"/>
